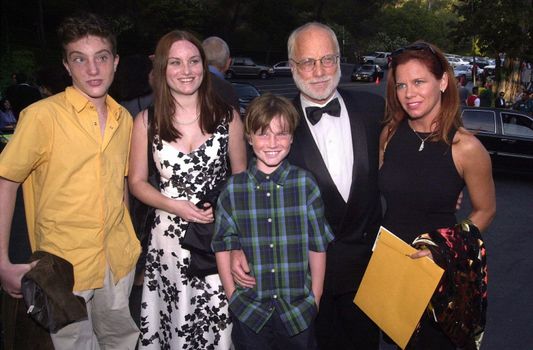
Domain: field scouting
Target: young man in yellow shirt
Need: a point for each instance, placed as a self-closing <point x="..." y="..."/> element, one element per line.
<point x="70" y="152"/>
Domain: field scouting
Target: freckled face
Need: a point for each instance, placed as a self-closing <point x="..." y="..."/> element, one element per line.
<point x="91" y="64"/>
<point x="271" y="145"/>
<point x="185" y="71"/>
<point x="418" y="91"/>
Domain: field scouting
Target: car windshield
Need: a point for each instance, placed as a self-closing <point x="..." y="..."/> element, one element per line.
<point x="366" y="68"/>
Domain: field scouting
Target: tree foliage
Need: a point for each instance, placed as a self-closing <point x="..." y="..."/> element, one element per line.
<point x="499" y="27"/>
<point x="408" y="21"/>
<point x="260" y="28"/>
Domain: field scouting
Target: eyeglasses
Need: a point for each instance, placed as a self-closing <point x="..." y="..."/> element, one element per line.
<point x="308" y="64"/>
<point x="413" y="47"/>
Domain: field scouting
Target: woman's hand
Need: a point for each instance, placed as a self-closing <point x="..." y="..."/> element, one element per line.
<point x="422" y="253"/>
<point x="189" y="212"/>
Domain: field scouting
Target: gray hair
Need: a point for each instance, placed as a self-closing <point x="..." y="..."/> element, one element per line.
<point x="292" y="38"/>
<point x="216" y="51"/>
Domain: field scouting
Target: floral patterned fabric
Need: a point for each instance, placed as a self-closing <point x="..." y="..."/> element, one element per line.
<point x="460" y="301"/>
<point x="178" y="312"/>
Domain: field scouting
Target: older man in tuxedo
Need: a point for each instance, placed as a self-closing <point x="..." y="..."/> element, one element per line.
<point x="337" y="141"/>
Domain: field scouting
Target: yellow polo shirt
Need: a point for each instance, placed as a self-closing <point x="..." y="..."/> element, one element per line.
<point x="73" y="182"/>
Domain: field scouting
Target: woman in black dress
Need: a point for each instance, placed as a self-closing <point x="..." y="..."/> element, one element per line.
<point x="427" y="158"/>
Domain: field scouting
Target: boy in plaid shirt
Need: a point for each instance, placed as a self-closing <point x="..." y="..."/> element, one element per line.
<point x="275" y="214"/>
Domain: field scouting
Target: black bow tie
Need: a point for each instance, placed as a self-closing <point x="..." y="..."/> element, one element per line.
<point x="314" y="114"/>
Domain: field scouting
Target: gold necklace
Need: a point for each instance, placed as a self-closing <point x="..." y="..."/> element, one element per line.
<point x="423" y="141"/>
<point x="188" y="122"/>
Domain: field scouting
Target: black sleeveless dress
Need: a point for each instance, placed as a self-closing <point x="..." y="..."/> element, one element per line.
<point x="420" y="187"/>
<point x="420" y="190"/>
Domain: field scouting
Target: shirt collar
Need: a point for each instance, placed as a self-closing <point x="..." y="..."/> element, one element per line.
<point x="278" y="176"/>
<point x="216" y="72"/>
<point x="80" y="102"/>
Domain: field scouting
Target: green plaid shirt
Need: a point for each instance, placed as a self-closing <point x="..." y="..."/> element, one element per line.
<point x="276" y="219"/>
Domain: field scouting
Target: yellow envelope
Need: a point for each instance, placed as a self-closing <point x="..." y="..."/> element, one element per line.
<point x="396" y="289"/>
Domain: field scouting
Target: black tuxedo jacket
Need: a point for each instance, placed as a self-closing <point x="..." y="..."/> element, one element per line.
<point x="354" y="223"/>
<point x="500" y="102"/>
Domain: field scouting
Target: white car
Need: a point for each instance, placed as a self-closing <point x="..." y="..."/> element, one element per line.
<point x="463" y="70"/>
<point x="382" y="59"/>
<point x="282" y="68"/>
<point x="457" y="61"/>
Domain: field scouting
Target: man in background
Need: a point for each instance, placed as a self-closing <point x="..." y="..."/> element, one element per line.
<point x="21" y="94"/>
<point x="500" y="101"/>
<point x="218" y="58"/>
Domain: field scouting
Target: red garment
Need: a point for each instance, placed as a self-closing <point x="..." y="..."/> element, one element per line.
<point x="460" y="301"/>
<point x="470" y="101"/>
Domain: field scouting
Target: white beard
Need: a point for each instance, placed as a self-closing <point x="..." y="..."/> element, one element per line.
<point x="306" y="88"/>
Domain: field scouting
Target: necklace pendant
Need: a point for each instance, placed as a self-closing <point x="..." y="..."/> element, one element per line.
<point x="421" y="146"/>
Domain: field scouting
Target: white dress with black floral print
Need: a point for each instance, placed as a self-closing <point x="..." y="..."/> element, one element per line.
<point x="178" y="312"/>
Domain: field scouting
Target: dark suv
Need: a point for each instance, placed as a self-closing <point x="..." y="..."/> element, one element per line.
<point x="244" y="66"/>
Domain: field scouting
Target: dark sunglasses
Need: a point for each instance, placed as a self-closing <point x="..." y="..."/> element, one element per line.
<point x="413" y="47"/>
<point x="417" y="47"/>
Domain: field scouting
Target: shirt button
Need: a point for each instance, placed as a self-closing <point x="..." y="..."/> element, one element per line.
<point x="271" y="245"/>
<point x="274" y="296"/>
<point x="273" y="270"/>
<point x="278" y="186"/>
<point x="268" y="194"/>
<point x="268" y="177"/>
<point x="269" y="219"/>
<point x="258" y="187"/>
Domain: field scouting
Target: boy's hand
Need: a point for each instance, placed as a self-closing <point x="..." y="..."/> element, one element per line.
<point x="240" y="269"/>
<point x="11" y="276"/>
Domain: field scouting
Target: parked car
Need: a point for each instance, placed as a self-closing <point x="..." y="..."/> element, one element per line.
<point x="367" y="72"/>
<point x="489" y="71"/>
<point x="481" y="62"/>
<point x="379" y="57"/>
<point x="282" y="68"/>
<point x="457" y="61"/>
<point x="369" y="57"/>
<point x="382" y="59"/>
<point x="246" y="92"/>
<point x="244" y="66"/>
<point x="507" y="135"/>
<point x="463" y="70"/>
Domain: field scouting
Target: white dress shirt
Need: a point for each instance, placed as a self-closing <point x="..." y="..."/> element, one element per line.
<point x="333" y="136"/>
